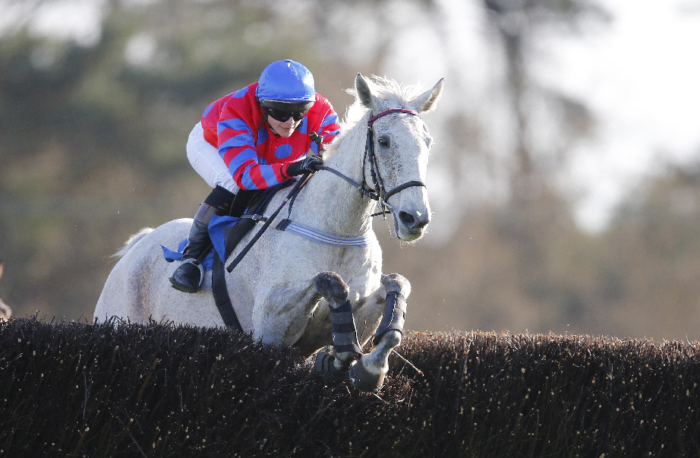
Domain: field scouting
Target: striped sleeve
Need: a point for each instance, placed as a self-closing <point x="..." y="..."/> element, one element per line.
<point x="238" y="150"/>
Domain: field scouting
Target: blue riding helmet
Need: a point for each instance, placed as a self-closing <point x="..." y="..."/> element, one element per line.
<point x="286" y="81"/>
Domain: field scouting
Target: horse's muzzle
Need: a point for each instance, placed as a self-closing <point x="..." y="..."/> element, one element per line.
<point x="413" y="223"/>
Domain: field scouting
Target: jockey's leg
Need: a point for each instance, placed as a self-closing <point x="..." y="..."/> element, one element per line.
<point x="225" y="194"/>
<point x="189" y="274"/>
<point x="369" y="372"/>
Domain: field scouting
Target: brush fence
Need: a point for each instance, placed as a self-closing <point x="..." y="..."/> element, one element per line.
<point x="77" y="389"/>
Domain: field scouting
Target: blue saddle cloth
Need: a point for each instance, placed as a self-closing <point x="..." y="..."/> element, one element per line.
<point x="219" y="228"/>
<point x="217" y="233"/>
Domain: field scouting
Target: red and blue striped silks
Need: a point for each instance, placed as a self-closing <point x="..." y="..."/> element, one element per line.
<point x="255" y="156"/>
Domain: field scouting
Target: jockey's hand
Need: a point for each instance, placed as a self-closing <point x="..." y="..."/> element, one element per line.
<point x="308" y="165"/>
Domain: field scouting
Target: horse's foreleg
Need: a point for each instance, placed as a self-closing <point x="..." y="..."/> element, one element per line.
<point x="369" y="372"/>
<point x="346" y="348"/>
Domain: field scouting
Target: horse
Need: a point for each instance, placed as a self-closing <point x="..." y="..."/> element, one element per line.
<point x="5" y="310"/>
<point x="325" y="299"/>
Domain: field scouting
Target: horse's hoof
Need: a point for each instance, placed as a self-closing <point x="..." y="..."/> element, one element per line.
<point x="365" y="379"/>
<point x="325" y="364"/>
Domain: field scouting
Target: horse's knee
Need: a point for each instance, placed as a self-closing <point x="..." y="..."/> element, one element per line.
<point x="396" y="283"/>
<point x="331" y="286"/>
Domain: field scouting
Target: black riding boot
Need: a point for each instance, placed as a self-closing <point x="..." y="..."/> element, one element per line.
<point x="189" y="275"/>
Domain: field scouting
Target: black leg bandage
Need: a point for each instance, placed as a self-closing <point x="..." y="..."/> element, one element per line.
<point x="394" y="315"/>
<point x="344" y="332"/>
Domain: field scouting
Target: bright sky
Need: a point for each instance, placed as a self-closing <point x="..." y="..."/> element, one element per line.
<point x="639" y="74"/>
<point x="641" y="77"/>
<point x="79" y="20"/>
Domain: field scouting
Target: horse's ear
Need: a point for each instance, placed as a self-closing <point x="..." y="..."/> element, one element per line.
<point x="427" y="101"/>
<point x="364" y="93"/>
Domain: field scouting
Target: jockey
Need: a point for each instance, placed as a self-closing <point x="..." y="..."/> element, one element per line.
<point x="252" y="139"/>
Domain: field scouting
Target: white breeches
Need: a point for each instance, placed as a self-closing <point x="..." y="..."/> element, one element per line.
<point x="206" y="161"/>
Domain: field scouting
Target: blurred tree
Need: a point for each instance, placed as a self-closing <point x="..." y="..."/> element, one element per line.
<point x="537" y="213"/>
<point x="654" y="246"/>
<point x="517" y="23"/>
<point x="92" y="148"/>
<point x="640" y="278"/>
<point x="92" y="137"/>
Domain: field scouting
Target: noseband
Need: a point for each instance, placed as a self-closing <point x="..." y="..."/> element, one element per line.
<point x="378" y="192"/>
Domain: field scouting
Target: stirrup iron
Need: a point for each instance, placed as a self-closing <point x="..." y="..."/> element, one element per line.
<point x="182" y="286"/>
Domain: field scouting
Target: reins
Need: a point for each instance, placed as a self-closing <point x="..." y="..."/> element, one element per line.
<point x="292" y="195"/>
<point x="378" y="193"/>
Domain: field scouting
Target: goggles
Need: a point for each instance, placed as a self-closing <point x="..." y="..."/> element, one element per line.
<point x="282" y="111"/>
<point x="284" y="115"/>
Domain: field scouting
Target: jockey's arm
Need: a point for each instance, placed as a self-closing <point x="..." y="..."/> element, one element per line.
<point x="239" y="150"/>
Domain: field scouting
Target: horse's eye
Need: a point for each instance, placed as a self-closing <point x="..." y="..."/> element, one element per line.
<point x="384" y="141"/>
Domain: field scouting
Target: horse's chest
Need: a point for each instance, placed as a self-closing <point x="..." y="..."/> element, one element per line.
<point x="353" y="263"/>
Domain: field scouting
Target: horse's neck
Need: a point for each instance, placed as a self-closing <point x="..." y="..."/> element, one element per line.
<point x="331" y="204"/>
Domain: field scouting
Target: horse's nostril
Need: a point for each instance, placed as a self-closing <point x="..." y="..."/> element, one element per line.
<point x="407" y="219"/>
<point x="415" y="220"/>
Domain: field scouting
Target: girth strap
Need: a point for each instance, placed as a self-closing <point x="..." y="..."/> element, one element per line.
<point x="218" y="274"/>
<point x="234" y="235"/>
<point x="221" y="297"/>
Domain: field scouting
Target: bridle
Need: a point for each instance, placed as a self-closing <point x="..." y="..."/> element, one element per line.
<point x="378" y="192"/>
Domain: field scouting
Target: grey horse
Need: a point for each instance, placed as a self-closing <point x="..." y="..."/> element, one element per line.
<point x="302" y="291"/>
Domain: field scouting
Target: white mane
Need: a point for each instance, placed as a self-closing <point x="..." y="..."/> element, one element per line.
<point x="395" y="94"/>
